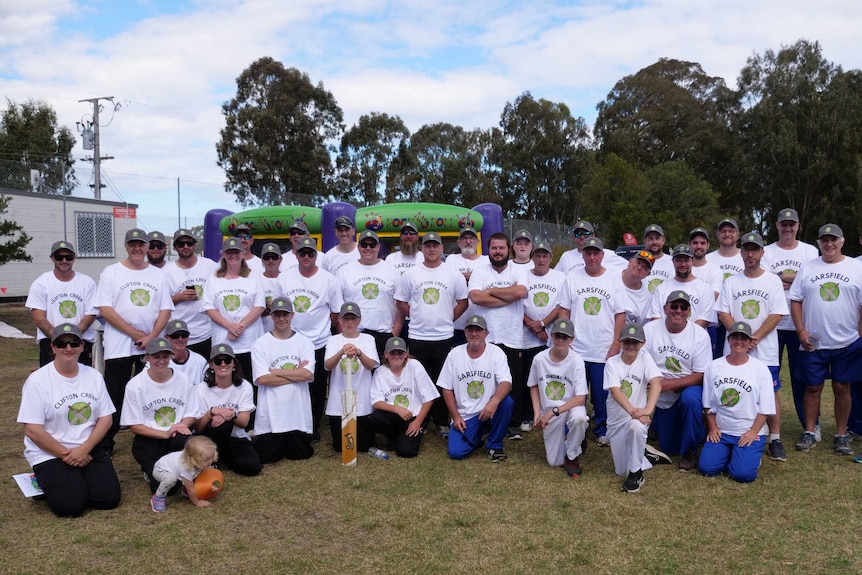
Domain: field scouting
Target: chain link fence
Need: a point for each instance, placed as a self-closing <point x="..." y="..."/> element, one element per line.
<point x="42" y="177"/>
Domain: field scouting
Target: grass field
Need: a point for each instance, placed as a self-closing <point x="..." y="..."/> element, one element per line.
<point x="432" y="515"/>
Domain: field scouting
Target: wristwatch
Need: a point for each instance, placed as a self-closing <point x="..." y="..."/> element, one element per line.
<point x="556" y="411"/>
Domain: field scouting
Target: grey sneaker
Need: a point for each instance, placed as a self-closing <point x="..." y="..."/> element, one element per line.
<point x="842" y="445"/>
<point x="633" y="481"/>
<point x="776" y="451"/>
<point x="514" y="434"/>
<point x="497" y="455"/>
<point x="853" y="436"/>
<point x="806" y="441"/>
<point x="602" y="441"/>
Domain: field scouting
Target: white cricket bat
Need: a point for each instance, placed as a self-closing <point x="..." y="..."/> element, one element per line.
<point x="348" y="416"/>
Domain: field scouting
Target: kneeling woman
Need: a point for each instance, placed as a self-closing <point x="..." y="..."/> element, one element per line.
<point x="160" y="408"/>
<point x="66" y="412"/>
<point x="737" y="397"/>
<point x="401" y="395"/>
<point x="228" y="399"/>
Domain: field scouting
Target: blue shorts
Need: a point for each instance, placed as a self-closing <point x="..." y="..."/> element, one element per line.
<point x="776" y="381"/>
<point x="845" y="364"/>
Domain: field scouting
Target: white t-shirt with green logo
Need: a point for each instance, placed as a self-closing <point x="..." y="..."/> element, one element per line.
<point x="411" y="389"/>
<point x="160" y="405"/>
<point x="361" y="379"/>
<point x="637" y="304"/>
<point x="701" y="294"/>
<point x="63" y="302"/>
<point x="271" y="289"/>
<point x="373" y="288"/>
<point x="463" y="265"/>
<point x="752" y="300"/>
<point x="67" y="408"/>
<point x="736" y="394"/>
<point x="313" y="298"/>
<point x="234" y="299"/>
<point x="191" y="312"/>
<point x="776" y="259"/>
<point x="662" y="270"/>
<point x="432" y="294"/>
<point x="504" y="323"/>
<point x="831" y="295"/>
<point x="474" y="381"/>
<point x="402" y="262"/>
<point x="542" y="294"/>
<point x="239" y="397"/>
<point x="557" y="382"/>
<point x="677" y="354"/>
<point x="335" y="259"/>
<point x="632" y="381"/>
<point x="728" y="265"/>
<point x="282" y="408"/>
<point x="593" y="303"/>
<point x="137" y="296"/>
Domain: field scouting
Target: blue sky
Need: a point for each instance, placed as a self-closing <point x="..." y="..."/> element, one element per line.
<point x="172" y="64"/>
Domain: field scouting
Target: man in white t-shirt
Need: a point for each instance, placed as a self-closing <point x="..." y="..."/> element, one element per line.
<point x="825" y="305"/>
<point x="785" y="258"/>
<point x="682" y="351"/>
<point x="433" y="296"/>
<point x="728" y="259"/>
<point x="756" y="297"/>
<point x="701" y="296"/>
<point x="662" y="268"/>
<point x="592" y="298"/>
<point x="574" y="258"/>
<point x="243" y="233"/>
<point x="345" y="250"/>
<point x="283" y="366"/>
<point x="636" y="298"/>
<point x="409" y="255"/>
<point x="522" y="249"/>
<point x="187" y="278"/>
<point x="468" y="260"/>
<point x="157" y="249"/>
<point x="270" y="255"/>
<point x="62" y="295"/>
<point x="135" y="300"/>
<point x="698" y="241"/>
<point x="476" y="382"/>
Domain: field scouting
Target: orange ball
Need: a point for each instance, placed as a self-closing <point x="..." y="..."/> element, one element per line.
<point x="209" y="483"/>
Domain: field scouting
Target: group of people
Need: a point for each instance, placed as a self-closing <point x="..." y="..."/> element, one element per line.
<point x="252" y="351"/>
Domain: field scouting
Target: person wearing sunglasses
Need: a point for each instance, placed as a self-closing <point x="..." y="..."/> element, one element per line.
<point x="66" y="412"/>
<point x="157" y="249"/>
<point x="160" y="408"/>
<point x="47" y="310"/>
<point x="298" y="232"/>
<point x="228" y="400"/>
<point x="243" y="233"/>
<point x="316" y="297"/>
<point x="371" y="282"/>
<point x="701" y="295"/>
<point x="134" y="298"/>
<point x="662" y="268"/>
<point x="270" y="253"/>
<point x="187" y="276"/>
<point x="682" y="350"/>
<point x="409" y="253"/>
<point x="191" y="364"/>
<point x="574" y="258"/>
<point x="284" y="366"/>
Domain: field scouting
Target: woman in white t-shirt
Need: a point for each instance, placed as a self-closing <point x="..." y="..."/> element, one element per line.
<point x="66" y="412"/>
<point x="228" y="400"/>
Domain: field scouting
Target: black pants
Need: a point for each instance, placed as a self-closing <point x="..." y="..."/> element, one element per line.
<point x="70" y="490"/>
<point x="317" y="389"/>
<point x="526" y="364"/>
<point x="46" y="356"/>
<point x="204" y="348"/>
<point x="393" y="427"/>
<point x="272" y="447"/>
<point x="432" y="356"/>
<point x="118" y="372"/>
<point x="515" y="359"/>
<point x="380" y="339"/>
<point x="148" y="450"/>
<point x="237" y="454"/>
<point x="364" y="432"/>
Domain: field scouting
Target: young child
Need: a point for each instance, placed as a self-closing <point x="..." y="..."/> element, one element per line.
<point x="558" y="389"/>
<point x="634" y="384"/>
<point x="402" y="394"/>
<point x="199" y="453"/>
<point x="350" y="347"/>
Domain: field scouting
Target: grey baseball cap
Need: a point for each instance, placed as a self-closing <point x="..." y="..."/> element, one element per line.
<point x="594" y="243"/>
<point x="788" y="215"/>
<point x="752" y="238"/>
<point x="395" y="343"/>
<point x="66" y="329"/>
<point x="281" y="304"/>
<point x="221" y="349"/>
<point x="62" y="245"/>
<point x="477" y="321"/>
<point x="830" y="230"/>
<point x="563" y="326"/>
<point x="682" y="250"/>
<point x="654" y="228"/>
<point x="350" y="308"/>
<point x="632" y="331"/>
<point x="159" y="344"/>
<point x="176" y="325"/>
<point x="740" y="327"/>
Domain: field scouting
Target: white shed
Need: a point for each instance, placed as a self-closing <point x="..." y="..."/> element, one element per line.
<point x="97" y="228"/>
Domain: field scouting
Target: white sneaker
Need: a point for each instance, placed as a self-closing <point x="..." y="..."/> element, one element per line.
<point x="603" y="441"/>
<point x="526" y="426"/>
<point x="818" y="437"/>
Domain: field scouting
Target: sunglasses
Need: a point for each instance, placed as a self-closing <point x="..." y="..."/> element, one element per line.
<point x="583" y="234"/>
<point x="675" y="306"/>
<point x="647" y="256"/>
<point x="243" y="236"/>
<point x="64" y="258"/>
<point x="178" y="335"/>
<point x="270" y="257"/>
<point x="306" y="253"/>
<point x="185" y="243"/>
<point x="409" y="233"/>
<point x="368" y="245"/>
<point x="64" y="344"/>
<point x="225" y="359"/>
<point x="297" y="233"/>
<point x="157" y="246"/>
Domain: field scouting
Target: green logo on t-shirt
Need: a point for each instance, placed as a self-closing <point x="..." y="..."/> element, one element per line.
<point x="165" y="416"/>
<point x="370" y="291"/>
<point x="750" y="309"/>
<point x="140" y="297"/>
<point x="401" y="401"/>
<point x="555" y="390"/>
<point x="475" y="389"/>
<point x="729" y="397"/>
<point x="672" y="365"/>
<point x="68" y="309"/>
<point x="541" y="299"/>
<point x="79" y="413"/>
<point x="626" y="387"/>
<point x="592" y="306"/>
<point x="431" y="296"/>
<point x="301" y="304"/>
<point x="654" y="283"/>
<point x="231" y="302"/>
<point x="829" y="291"/>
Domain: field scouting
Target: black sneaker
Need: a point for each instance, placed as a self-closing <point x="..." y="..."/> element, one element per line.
<point x="656" y="457"/>
<point x="514" y="433"/>
<point x="572" y="467"/>
<point x="497" y="455"/>
<point x="633" y="481"/>
<point x="776" y="451"/>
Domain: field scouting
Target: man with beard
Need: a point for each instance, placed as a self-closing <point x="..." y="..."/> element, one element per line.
<point x="157" y="249"/>
<point x="574" y="258"/>
<point x="662" y="268"/>
<point x="701" y="296"/>
<point x="409" y="255"/>
<point x="498" y="291"/>
<point x="825" y="305"/>
<point x="591" y="297"/>
<point x="785" y="258"/>
<point x="468" y="260"/>
<point x="187" y="278"/>
<point x="755" y="297"/>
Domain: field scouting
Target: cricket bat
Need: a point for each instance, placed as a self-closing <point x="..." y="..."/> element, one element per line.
<point x="348" y="415"/>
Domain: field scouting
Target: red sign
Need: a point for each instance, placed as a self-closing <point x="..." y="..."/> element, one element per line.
<point x="129" y="213"/>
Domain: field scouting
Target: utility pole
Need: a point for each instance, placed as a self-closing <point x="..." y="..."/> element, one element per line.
<point x="97" y="158"/>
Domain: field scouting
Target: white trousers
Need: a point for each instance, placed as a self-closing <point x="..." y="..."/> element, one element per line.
<point x="559" y="445"/>
<point x="628" y="442"/>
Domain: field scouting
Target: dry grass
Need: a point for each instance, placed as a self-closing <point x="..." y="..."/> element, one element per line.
<point x="432" y="515"/>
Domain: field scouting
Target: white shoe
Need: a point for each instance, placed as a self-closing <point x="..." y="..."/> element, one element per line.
<point x="526" y="426"/>
<point x="818" y="437"/>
